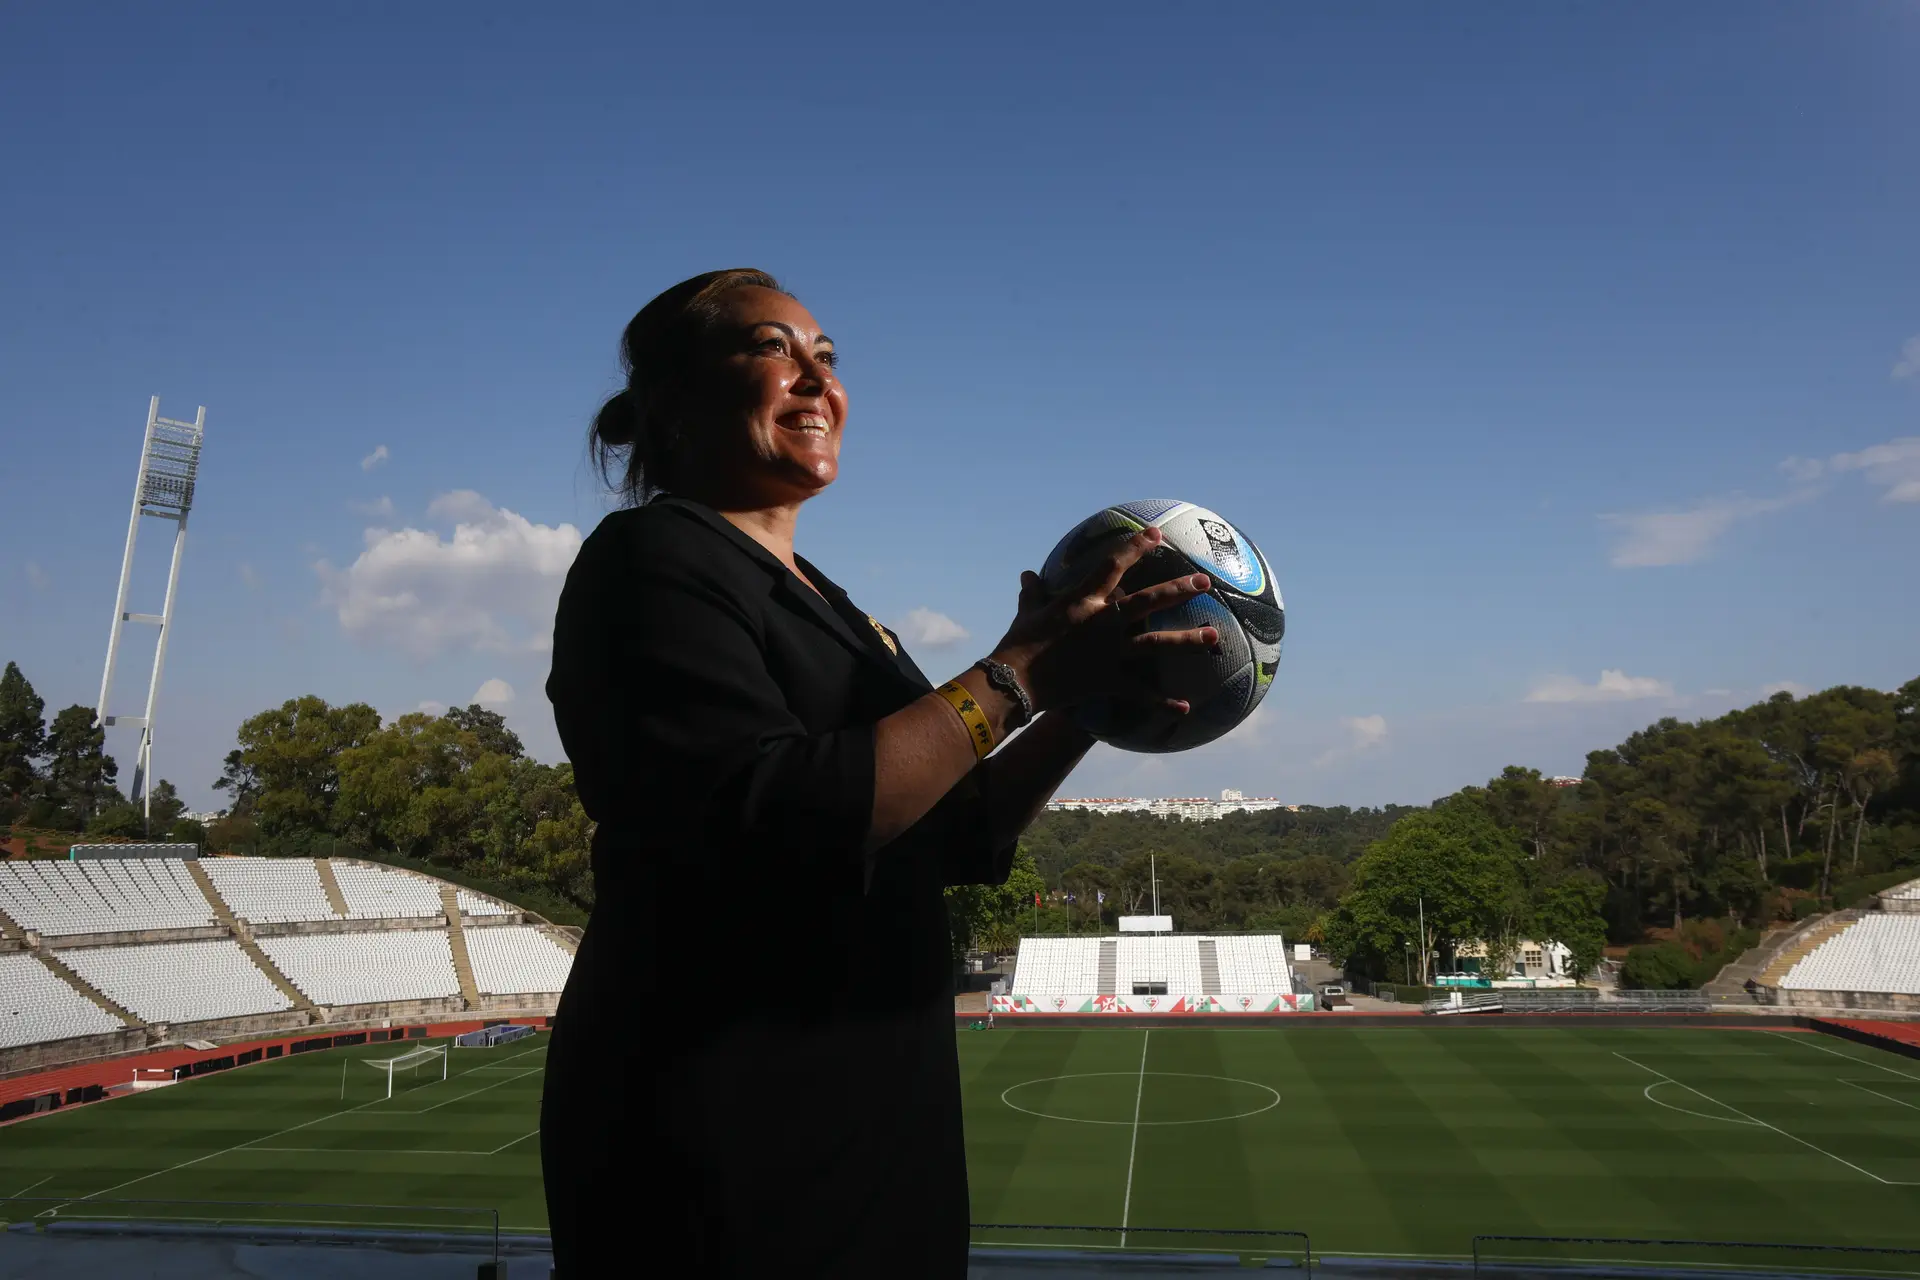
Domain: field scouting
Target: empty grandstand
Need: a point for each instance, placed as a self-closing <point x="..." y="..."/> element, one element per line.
<point x="366" y="968"/>
<point x="1172" y="965"/>
<point x="270" y="890"/>
<point x="179" y="981"/>
<point x="108" y="956"/>
<point x="1878" y="954"/>
<point x="118" y="896"/>
<point x="511" y="960"/>
<point x="37" y="1005"/>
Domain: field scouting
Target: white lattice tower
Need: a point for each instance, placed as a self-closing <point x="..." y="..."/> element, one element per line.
<point x="163" y="490"/>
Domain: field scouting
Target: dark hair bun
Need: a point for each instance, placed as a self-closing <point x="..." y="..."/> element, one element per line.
<point x="617" y="425"/>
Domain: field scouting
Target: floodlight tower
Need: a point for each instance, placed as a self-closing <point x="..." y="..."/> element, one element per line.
<point x="169" y="461"/>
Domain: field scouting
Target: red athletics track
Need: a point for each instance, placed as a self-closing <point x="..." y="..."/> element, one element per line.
<point x="110" y="1072"/>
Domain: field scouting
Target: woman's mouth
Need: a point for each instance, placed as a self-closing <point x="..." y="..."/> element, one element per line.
<point x="812" y="424"/>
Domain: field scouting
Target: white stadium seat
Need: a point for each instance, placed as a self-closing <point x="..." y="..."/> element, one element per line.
<point x="270" y="890"/>
<point x="473" y="904"/>
<point x="107" y="895"/>
<point x="1057" y="966"/>
<point x="512" y="960"/>
<point x="367" y="968"/>
<point x="35" y="1005"/>
<point x="179" y="981"/>
<point x="1879" y="953"/>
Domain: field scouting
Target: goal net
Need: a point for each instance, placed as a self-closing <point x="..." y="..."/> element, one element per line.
<point x="411" y="1068"/>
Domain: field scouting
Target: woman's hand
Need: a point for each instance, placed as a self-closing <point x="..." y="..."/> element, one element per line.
<point x="1087" y="641"/>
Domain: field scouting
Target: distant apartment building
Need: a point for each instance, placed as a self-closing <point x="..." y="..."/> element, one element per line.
<point x="1186" y="808"/>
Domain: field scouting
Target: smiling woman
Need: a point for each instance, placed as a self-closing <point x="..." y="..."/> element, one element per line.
<point x="736" y="722"/>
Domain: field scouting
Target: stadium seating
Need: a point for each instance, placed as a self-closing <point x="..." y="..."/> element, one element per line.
<point x="1880" y="952"/>
<point x="367" y="968"/>
<point x="179" y="981"/>
<point x="35" y="1005"/>
<point x="473" y="904"/>
<point x="1047" y="966"/>
<point x="1173" y="961"/>
<point x="1253" y="964"/>
<point x="511" y="960"/>
<point x="106" y="896"/>
<point x="381" y="893"/>
<point x="1903" y="893"/>
<point x="270" y="890"/>
<point x="1250" y="964"/>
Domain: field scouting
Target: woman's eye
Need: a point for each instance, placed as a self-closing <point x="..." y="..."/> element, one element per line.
<point x="773" y="344"/>
<point x="831" y="359"/>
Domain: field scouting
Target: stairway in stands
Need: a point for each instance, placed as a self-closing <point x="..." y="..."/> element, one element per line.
<point x="1109" y="966"/>
<point x="457" y="942"/>
<point x="1209" y="967"/>
<point x="242" y="935"/>
<point x="1802" y="947"/>
<point x="330" y="884"/>
<point x="86" y="988"/>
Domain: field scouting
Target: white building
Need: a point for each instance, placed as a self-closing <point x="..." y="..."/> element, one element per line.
<point x="1186" y="808"/>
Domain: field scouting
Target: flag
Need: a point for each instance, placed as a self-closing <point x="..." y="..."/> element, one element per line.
<point x="1100" y="894"/>
<point x="1036" y="899"/>
<point x="1071" y="898"/>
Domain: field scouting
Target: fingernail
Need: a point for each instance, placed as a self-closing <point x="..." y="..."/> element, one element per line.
<point x="1199" y="582"/>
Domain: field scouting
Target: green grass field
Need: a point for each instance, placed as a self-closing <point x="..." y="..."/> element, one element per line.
<point x="1373" y="1141"/>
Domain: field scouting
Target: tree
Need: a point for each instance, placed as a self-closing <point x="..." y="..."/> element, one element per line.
<point x="80" y="773"/>
<point x="1569" y="912"/>
<point x="285" y="773"/>
<point x="121" y="820"/>
<point x="23" y="734"/>
<point x="988" y="914"/>
<point x="164" y="807"/>
<point x="1452" y="868"/>
<point x="489" y="729"/>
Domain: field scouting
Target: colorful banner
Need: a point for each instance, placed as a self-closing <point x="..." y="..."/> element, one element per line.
<point x="1270" y="1003"/>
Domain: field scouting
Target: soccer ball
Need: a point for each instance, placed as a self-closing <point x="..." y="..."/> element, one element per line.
<point x="1244" y="605"/>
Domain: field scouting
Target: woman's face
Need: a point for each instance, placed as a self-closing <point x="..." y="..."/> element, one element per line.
<point x="770" y="430"/>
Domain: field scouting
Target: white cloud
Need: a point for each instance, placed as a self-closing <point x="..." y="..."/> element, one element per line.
<point x="250" y="576"/>
<point x="491" y="587"/>
<point x="374" y="459"/>
<point x="493" y="693"/>
<point x="37" y="577"/>
<point x="1784" y="686"/>
<point x="1803" y="470"/>
<point x="1680" y="537"/>
<point x="379" y="509"/>
<point x="1364" y="733"/>
<point x="925" y="629"/>
<point x="1613" y="686"/>
<point x="1895" y="464"/>
<point x="1909" y="362"/>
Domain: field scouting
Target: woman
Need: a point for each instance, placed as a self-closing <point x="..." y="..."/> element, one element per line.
<point x="755" y="1060"/>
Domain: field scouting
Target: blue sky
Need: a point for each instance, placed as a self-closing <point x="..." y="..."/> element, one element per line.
<point x="1531" y="343"/>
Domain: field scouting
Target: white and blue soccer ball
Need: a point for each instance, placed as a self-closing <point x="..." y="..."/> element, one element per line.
<point x="1244" y="606"/>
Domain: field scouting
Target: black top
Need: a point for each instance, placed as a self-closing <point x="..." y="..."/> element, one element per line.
<point x="770" y="1008"/>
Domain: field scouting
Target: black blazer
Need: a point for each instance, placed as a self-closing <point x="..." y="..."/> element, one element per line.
<point x="719" y="716"/>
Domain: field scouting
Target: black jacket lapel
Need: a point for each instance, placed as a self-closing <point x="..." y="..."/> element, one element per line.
<point x="788" y="589"/>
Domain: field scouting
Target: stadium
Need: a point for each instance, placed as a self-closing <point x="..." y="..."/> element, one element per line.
<point x="297" y="1053"/>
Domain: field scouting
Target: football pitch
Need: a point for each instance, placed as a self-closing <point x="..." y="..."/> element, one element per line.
<point x="1373" y="1141"/>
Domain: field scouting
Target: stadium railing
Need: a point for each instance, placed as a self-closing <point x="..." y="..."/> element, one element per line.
<point x="1572" y="1000"/>
<point x="1164" y="1244"/>
<point x="270" y="1221"/>
<point x="1627" y="1255"/>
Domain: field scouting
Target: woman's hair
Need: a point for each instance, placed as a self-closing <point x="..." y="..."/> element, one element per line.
<point x="663" y="354"/>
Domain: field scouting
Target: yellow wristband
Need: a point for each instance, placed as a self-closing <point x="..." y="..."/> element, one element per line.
<point x="971" y="715"/>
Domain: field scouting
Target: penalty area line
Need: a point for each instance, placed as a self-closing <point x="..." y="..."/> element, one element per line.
<point x="1126" y="1207"/>
<point x="1888" y="1182"/>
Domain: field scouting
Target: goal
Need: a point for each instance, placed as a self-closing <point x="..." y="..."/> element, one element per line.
<point x="411" y="1067"/>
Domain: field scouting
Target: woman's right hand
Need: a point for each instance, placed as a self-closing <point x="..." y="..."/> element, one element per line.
<point x="1087" y="641"/>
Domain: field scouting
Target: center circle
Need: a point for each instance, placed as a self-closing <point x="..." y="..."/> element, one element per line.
<point x="1122" y="1098"/>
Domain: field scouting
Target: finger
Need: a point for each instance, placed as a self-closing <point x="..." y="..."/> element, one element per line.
<point x="1164" y="595"/>
<point x="1032" y="590"/>
<point x="1154" y="702"/>
<point x="1203" y="637"/>
<point x="1104" y="580"/>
